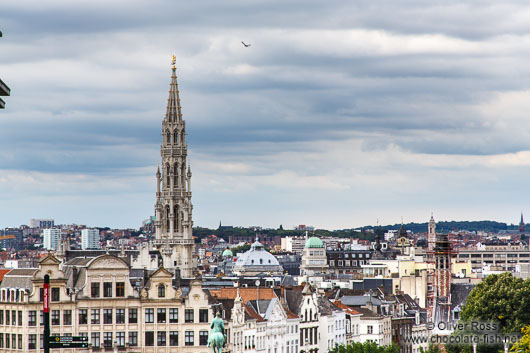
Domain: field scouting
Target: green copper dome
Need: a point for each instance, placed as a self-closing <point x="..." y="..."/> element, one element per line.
<point x="314" y="242"/>
<point x="227" y="252"/>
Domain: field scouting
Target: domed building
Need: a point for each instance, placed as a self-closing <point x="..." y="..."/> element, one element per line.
<point x="255" y="261"/>
<point x="314" y="259"/>
<point x="227" y="253"/>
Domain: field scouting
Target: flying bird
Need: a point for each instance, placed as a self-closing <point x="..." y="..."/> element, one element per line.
<point x="246" y="45"/>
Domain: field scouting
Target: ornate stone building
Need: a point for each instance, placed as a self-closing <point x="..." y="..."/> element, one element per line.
<point x="173" y="208"/>
<point x="102" y="298"/>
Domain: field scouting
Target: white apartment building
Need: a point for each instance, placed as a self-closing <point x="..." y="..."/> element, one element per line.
<point x="90" y="239"/>
<point x="51" y="238"/>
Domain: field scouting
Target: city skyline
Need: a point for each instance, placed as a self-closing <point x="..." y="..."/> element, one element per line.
<point x="386" y="112"/>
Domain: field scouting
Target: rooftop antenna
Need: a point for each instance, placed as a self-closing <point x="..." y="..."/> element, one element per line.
<point x="257" y="301"/>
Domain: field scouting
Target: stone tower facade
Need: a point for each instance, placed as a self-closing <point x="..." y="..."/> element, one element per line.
<point x="173" y="208"/>
<point x="431" y="234"/>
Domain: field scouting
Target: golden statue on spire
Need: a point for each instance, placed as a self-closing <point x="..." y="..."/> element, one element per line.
<point x="173" y="61"/>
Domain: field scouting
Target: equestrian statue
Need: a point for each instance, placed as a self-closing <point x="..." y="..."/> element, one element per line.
<point x="217" y="337"/>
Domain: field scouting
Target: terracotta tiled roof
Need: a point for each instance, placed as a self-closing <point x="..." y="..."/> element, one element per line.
<point x="245" y="293"/>
<point x="346" y="308"/>
<point x="3" y="272"/>
<point x="253" y="314"/>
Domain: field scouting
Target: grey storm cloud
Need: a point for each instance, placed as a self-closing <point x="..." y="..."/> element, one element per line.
<point x="354" y="99"/>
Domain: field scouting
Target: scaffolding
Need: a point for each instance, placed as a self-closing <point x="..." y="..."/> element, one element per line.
<point x="439" y="259"/>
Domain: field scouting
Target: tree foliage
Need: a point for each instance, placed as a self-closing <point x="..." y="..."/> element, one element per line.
<point x="366" y="347"/>
<point x="523" y="345"/>
<point x="500" y="298"/>
<point x="433" y="348"/>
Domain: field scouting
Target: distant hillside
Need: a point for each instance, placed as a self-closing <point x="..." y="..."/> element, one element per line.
<point x="447" y="226"/>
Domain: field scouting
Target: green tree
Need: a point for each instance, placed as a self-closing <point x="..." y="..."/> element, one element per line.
<point x="433" y="348"/>
<point x="523" y="345"/>
<point x="500" y="298"/>
<point x="366" y="347"/>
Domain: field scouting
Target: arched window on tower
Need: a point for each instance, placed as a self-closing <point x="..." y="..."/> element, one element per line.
<point x="167" y="218"/>
<point x="176" y="137"/>
<point x="183" y="174"/>
<point x="181" y="220"/>
<point x="168" y="177"/>
<point x="176" y="175"/>
<point x="176" y="220"/>
<point x="168" y="137"/>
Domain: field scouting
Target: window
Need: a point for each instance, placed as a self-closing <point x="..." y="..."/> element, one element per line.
<point x="14" y="341"/>
<point x="107" y="339"/>
<point x="120" y="289"/>
<point x="188" y="338"/>
<point x="32" y="341"/>
<point x="94" y="316"/>
<point x="161" y="291"/>
<point x="1" y="340"/>
<point x="188" y="315"/>
<point x="133" y="315"/>
<point x="203" y="315"/>
<point x="83" y="317"/>
<point x="19" y="341"/>
<point x="149" y="338"/>
<point x="20" y="319"/>
<point x="1" y="317"/>
<point x="41" y="294"/>
<point x="107" y="289"/>
<point x="55" y="294"/>
<point x="149" y="316"/>
<point x="160" y="315"/>
<point x="13" y="318"/>
<point x="8" y="340"/>
<point x="173" y="315"/>
<point x="203" y="338"/>
<point x="120" y="316"/>
<point x="41" y="317"/>
<point x="67" y="317"/>
<point x="107" y="316"/>
<point x="370" y="329"/>
<point x="133" y="338"/>
<point x="32" y="318"/>
<point x="56" y="317"/>
<point x="94" y="289"/>
<point x="120" y="339"/>
<point x="173" y="338"/>
<point x="161" y="338"/>
<point x="95" y="339"/>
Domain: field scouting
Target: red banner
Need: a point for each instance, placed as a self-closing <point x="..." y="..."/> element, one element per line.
<point x="46" y="298"/>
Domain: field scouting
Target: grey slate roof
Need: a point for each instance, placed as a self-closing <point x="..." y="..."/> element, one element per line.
<point x="359" y="300"/>
<point x="19" y="278"/>
<point x="459" y="294"/>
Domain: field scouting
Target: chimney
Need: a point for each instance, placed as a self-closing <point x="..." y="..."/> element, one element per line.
<point x="177" y="277"/>
<point x="146" y="275"/>
<point x="74" y="276"/>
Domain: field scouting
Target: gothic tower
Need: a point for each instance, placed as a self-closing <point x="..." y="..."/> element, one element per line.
<point x="173" y="237"/>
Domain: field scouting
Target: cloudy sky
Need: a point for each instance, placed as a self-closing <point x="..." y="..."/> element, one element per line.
<point x="338" y="114"/>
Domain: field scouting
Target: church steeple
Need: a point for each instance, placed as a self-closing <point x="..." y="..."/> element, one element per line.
<point x="431" y="233"/>
<point x="173" y="208"/>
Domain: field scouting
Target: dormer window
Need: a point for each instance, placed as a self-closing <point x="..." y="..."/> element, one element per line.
<point x="161" y="291"/>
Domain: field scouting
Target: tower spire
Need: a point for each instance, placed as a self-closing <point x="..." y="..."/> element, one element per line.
<point x="173" y="110"/>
